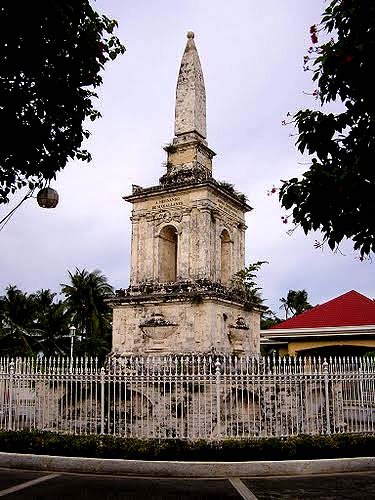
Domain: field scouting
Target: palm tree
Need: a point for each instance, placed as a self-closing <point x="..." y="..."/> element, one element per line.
<point x="31" y="324"/>
<point x="51" y="323"/>
<point x="16" y="323"/>
<point x="285" y="306"/>
<point x="300" y="302"/>
<point x="90" y="314"/>
<point x="267" y="319"/>
<point x="295" y="303"/>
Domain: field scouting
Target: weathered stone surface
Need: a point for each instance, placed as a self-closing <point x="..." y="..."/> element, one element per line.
<point x="190" y="93"/>
<point x="185" y="230"/>
<point x="184" y="326"/>
<point x="199" y="216"/>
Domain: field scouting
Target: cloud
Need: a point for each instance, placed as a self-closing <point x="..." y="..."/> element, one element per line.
<point x="251" y="55"/>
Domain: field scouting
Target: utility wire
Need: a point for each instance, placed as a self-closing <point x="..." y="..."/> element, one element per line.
<point x="7" y="218"/>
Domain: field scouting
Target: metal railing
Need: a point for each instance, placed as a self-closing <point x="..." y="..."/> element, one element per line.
<point x="189" y="396"/>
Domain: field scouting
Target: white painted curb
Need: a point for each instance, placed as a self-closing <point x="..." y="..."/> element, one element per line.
<point x="185" y="469"/>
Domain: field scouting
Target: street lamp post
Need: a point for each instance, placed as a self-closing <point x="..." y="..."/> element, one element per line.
<point x="72" y="331"/>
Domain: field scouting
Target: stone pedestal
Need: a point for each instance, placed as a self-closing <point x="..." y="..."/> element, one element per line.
<point x="194" y="320"/>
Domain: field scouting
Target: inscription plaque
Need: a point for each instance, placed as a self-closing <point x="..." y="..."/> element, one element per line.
<point x="171" y="201"/>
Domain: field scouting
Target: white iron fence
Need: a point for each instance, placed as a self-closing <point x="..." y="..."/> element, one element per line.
<point x="194" y="396"/>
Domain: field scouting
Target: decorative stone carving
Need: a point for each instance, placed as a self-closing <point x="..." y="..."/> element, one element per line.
<point x="167" y="217"/>
<point x="240" y="324"/>
<point x="157" y="327"/>
<point x="237" y="333"/>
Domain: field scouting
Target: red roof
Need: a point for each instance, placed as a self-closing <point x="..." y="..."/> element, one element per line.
<point x="350" y="309"/>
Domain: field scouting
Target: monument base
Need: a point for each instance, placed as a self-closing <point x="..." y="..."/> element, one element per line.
<point x="182" y="321"/>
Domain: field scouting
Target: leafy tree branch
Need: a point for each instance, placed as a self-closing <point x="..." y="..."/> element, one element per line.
<point x="244" y="281"/>
<point x="51" y="57"/>
<point x="335" y="195"/>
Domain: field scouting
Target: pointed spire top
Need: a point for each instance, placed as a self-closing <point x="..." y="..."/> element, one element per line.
<point x="190" y="113"/>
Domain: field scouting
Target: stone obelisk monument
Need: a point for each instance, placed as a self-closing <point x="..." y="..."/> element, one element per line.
<point x="188" y="239"/>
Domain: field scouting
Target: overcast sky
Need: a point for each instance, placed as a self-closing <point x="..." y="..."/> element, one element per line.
<point x="252" y="57"/>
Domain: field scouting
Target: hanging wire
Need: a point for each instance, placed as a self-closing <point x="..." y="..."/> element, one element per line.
<point x="7" y="218"/>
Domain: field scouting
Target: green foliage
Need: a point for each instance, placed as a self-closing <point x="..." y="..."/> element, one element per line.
<point x="90" y="314"/>
<point x="244" y="282"/>
<point x="227" y="186"/>
<point x="39" y="323"/>
<point x="295" y="303"/>
<point x="298" y="447"/>
<point x="197" y="299"/>
<point x="268" y="319"/>
<point x="52" y="53"/>
<point x="16" y="322"/>
<point x="32" y="323"/>
<point x="336" y="194"/>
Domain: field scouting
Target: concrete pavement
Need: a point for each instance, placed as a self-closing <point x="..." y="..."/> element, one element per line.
<point x="30" y="485"/>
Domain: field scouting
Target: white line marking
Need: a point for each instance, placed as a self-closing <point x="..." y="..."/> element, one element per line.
<point x="242" y="489"/>
<point x="27" y="484"/>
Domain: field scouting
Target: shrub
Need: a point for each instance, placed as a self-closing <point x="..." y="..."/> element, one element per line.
<point x="228" y="450"/>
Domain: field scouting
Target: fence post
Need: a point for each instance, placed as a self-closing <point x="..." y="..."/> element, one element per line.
<point x="360" y="373"/>
<point x="218" y="396"/>
<point x="10" y="392"/>
<point x="102" y="406"/>
<point x="326" y="390"/>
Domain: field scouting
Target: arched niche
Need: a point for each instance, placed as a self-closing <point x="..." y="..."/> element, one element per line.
<point x="225" y="257"/>
<point x="168" y="254"/>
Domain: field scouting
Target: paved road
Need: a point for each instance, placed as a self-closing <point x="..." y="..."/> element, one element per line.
<point x="29" y="485"/>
